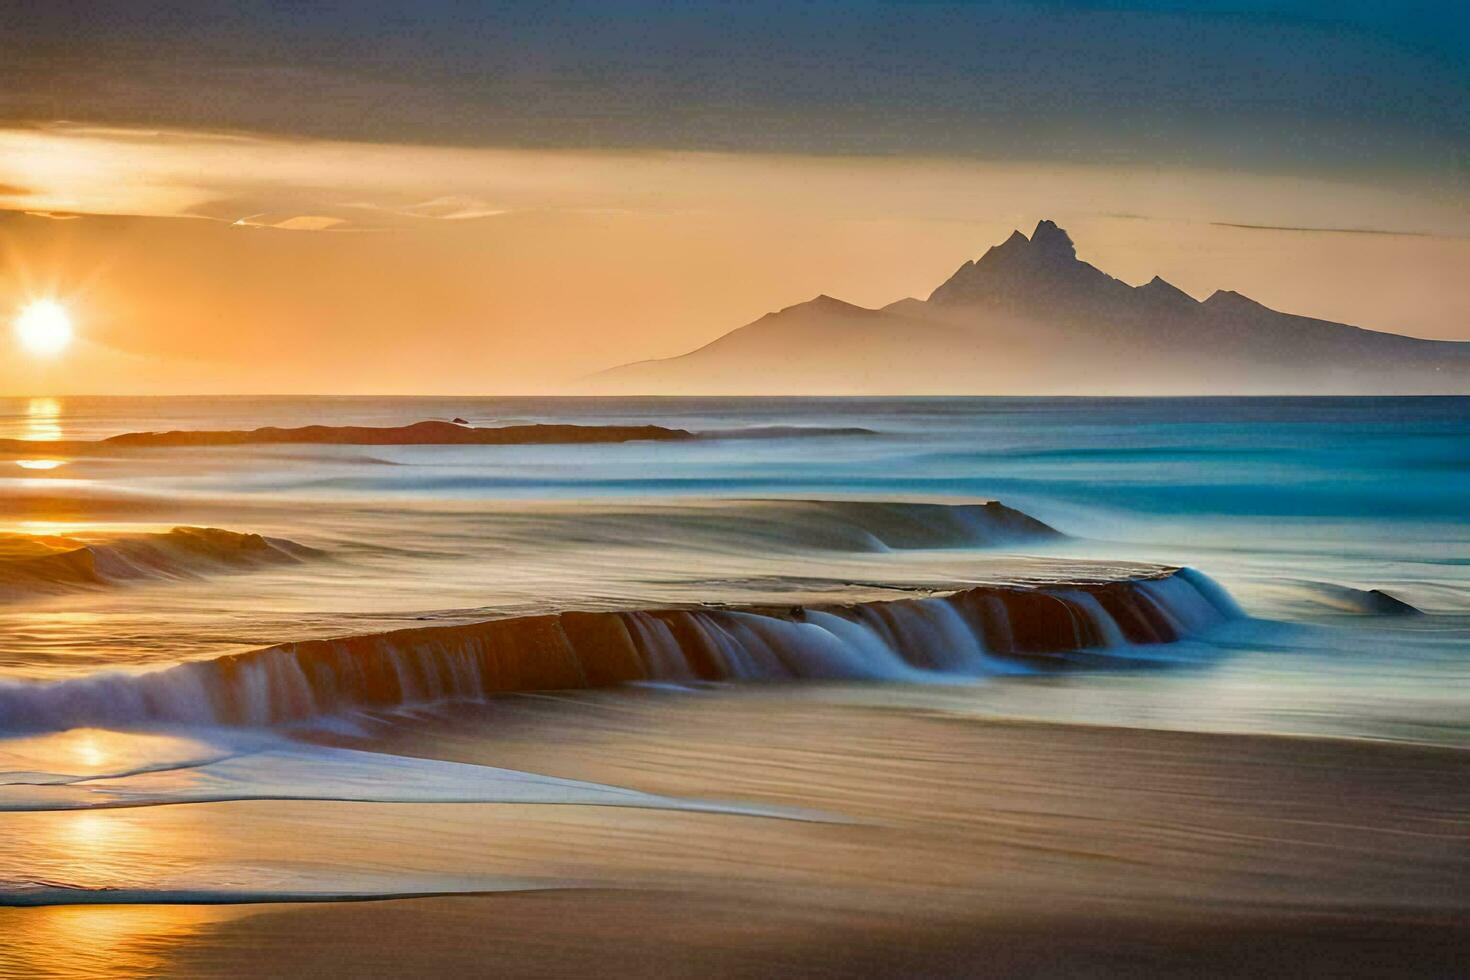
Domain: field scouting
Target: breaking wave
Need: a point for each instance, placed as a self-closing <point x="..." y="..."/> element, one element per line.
<point x="54" y="564"/>
<point x="974" y="632"/>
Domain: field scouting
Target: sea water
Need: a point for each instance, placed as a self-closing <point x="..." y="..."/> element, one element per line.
<point x="1328" y="540"/>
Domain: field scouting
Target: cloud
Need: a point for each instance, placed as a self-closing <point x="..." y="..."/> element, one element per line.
<point x="453" y="209"/>
<point x="228" y="177"/>
<point x="146" y="134"/>
<point x="12" y="190"/>
<point x="300" y="222"/>
<point x="370" y="214"/>
<point x="1331" y="231"/>
<point x="1264" y="85"/>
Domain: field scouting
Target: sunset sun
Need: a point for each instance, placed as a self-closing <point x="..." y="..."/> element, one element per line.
<point x="44" y="328"/>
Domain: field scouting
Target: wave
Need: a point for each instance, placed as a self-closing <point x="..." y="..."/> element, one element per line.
<point x="231" y="765"/>
<point x="786" y="524"/>
<point x="977" y="631"/>
<point x="862" y="525"/>
<point x="1346" y="599"/>
<point x="54" y="564"/>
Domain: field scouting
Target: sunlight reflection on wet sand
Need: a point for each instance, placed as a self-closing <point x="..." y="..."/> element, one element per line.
<point x="1033" y="819"/>
<point x="94" y="752"/>
<point x="123" y="941"/>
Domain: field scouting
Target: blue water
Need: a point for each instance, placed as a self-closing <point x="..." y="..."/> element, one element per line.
<point x="1365" y="473"/>
<point x="1363" y="458"/>
<point x="1297" y="505"/>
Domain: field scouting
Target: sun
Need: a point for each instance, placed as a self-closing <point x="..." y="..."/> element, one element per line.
<point x="44" y="327"/>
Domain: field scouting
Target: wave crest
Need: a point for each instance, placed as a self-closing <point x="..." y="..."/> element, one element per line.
<point x="54" y="564"/>
<point x="745" y="526"/>
<point x="861" y="525"/>
<point x="973" y="632"/>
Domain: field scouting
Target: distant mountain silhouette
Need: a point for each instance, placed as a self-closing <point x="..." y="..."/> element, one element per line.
<point x="1029" y="317"/>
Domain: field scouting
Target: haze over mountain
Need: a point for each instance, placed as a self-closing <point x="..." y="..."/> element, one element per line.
<point x="1029" y="317"/>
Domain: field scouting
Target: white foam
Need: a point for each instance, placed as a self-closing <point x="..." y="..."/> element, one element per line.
<point x="218" y="766"/>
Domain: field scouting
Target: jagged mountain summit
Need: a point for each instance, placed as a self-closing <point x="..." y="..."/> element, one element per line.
<point x="1022" y="269"/>
<point x="1029" y="317"/>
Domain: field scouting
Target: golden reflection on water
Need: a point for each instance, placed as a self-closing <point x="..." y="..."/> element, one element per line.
<point x="92" y="849"/>
<point x="96" y="752"/>
<point x="89" y="749"/>
<point x="68" y="635"/>
<point x="97" y="848"/>
<point x="43" y="420"/>
<point x="40" y="526"/>
<point x="98" y="940"/>
<point x="40" y="464"/>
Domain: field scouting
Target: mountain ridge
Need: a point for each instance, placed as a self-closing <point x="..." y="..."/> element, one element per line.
<point x="1028" y="316"/>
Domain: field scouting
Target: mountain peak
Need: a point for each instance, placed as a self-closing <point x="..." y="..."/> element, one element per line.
<point x="1020" y="268"/>
<point x="825" y="301"/>
<point x="1229" y="299"/>
<point x="906" y="306"/>
<point x="823" y="304"/>
<point x="1050" y="240"/>
<point x="1160" y="290"/>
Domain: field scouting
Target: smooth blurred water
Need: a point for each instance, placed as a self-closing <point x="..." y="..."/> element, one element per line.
<point x="1378" y="459"/>
<point x="1299" y="506"/>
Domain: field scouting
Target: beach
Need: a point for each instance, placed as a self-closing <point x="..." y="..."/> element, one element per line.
<point x="927" y="844"/>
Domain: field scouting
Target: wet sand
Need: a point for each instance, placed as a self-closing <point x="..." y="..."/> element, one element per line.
<point x="964" y="847"/>
<point x="640" y="934"/>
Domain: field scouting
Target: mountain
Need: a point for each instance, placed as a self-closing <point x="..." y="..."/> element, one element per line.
<point x="1029" y="317"/>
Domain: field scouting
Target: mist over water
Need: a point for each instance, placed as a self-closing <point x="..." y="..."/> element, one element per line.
<point x="821" y="541"/>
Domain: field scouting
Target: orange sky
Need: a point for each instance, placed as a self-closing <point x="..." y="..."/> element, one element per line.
<point x="198" y="262"/>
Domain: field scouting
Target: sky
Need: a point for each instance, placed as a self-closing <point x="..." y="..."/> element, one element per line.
<point x="458" y="197"/>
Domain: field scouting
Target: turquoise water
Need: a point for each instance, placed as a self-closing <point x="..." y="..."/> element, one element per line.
<point x="1296" y="505"/>
<point x="1301" y="507"/>
<point x="1399" y="460"/>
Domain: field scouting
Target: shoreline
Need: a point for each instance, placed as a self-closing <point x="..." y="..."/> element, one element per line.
<point x="1024" y="848"/>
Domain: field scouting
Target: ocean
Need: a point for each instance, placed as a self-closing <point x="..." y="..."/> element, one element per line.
<point x="1295" y="567"/>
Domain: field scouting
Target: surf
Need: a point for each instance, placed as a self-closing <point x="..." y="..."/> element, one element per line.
<point x="973" y="632"/>
<point x="32" y="564"/>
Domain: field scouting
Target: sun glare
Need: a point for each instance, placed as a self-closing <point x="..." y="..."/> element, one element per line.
<point x="44" y="328"/>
